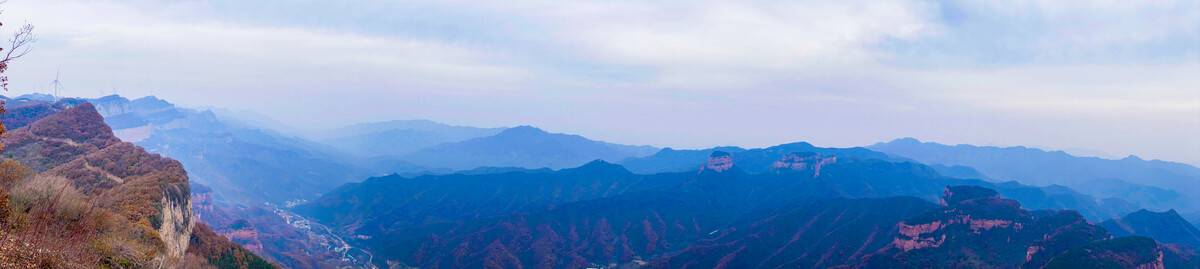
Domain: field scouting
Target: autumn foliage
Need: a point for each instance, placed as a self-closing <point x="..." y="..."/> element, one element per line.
<point x="74" y="196"/>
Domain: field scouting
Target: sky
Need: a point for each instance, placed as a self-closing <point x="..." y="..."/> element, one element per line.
<point x="1109" y="77"/>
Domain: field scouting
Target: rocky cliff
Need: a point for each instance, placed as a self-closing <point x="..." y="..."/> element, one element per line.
<point x="150" y="193"/>
<point x="805" y="161"/>
<point x="719" y="161"/>
<point x="977" y="228"/>
<point x="177" y="223"/>
<point x="202" y="200"/>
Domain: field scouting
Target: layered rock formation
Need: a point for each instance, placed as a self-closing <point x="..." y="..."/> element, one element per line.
<point x="242" y="231"/>
<point x="805" y="161"/>
<point x="719" y="161"/>
<point x="977" y="228"/>
<point x="202" y="200"/>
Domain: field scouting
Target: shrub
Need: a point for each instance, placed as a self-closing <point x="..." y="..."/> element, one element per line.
<point x="51" y="197"/>
<point x="12" y="172"/>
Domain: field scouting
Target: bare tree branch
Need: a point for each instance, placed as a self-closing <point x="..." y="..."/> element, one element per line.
<point x="20" y="42"/>
<point x="19" y="48"/>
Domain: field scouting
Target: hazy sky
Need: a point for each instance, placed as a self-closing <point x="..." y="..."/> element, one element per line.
<point x="1121" y="77"/>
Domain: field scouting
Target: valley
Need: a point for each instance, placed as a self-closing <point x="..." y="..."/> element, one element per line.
<point x="675" y="207"/>
<point x="350" y="255"/>
<point x="584" y="134"/>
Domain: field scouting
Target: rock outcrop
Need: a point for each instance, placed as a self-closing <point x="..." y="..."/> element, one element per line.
<point x="719" y="161"/>
<point x="243" y="232"/>
<point x="177" y="224"/>
<point x="977" y="228"/>
<point x="202" y="200"/>
<point x="112" y="105"/>
<point x="805" y="161"/>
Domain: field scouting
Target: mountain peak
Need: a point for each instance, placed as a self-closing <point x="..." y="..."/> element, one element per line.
<point x="81" y="123"/>
<point x="1147" y="213"/>
<point x="1132" y="157"/>
<point x="1167" y="227"/>
<point x="523" y="130"/>
<point x="599" y="166"/>
<point x="37" y="97"/>
<point x="149" y="98"/>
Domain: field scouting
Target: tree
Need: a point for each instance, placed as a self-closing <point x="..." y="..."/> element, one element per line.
<point x="18" y="48"/>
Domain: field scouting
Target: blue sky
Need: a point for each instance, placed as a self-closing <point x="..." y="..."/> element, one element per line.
<point x="1121" y="77"/>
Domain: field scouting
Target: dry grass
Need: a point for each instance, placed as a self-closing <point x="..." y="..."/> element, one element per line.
<point x="63" y="228"/>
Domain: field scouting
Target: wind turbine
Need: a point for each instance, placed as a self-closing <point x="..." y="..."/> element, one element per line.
<point x="56" y="84"/>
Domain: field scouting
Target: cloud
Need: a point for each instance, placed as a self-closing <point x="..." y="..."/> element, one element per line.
<point x="1116" y="76"/>
<point x="1118" y="92"/>
<point x="1018" y="32"/>
<point x="165" y="45"/>
<point x="727" y="44"/>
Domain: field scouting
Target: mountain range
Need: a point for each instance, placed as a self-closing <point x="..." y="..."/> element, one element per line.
<point x="1152" y="184"/>
<point x="524" y="146"/>
<point x="241" y="165"/>
<point x="600" y="214"/>
<point x="397" y="138"/>
<point x="1166" y="227"/>
<point x="754" y="160"/>
<point x="247" y="164"/>
<point x="445" y="196"/>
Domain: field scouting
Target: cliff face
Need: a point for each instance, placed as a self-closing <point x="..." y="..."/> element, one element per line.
<point x="805" y="161"/>
<point x="202" y="201"/>
<point x="176" y="227"/>
<point x="975" y="227"/>
<point x="718" y="162"/>
<point x="112" y="105"/>
<point x="221" y="252"/>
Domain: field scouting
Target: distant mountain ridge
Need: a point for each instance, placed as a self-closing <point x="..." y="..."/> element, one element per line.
<point x="1166" y="227"/>
<point x="1146" y="183"/>
<point x="601" y="214"/>
<point x="241" y="164"/>
<point x="501" y="204"/>
<point x="524" y="146"/>
<point x="442" y="149"/>
<point x="399" y="137"/>
<point x="753" y="160"/>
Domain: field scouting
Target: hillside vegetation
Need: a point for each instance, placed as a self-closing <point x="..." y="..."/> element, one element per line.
<point x="72" y="195"/>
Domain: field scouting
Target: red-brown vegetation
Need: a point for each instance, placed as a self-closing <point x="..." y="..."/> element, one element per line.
<point x="88" y="200"/>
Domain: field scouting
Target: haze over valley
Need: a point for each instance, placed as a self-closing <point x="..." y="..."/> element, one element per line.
<point x="599" y="134"/>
